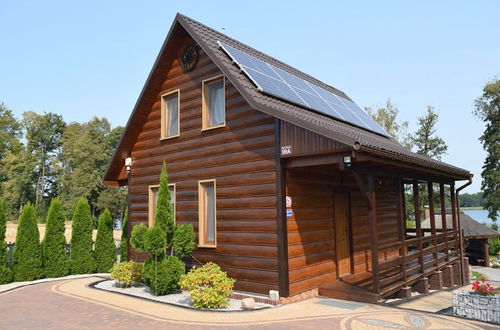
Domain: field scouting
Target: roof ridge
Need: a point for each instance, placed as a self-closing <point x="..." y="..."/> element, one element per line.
<point x="271" y="59"/>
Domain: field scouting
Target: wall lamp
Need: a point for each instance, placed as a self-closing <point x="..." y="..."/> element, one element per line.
<point x="128" y="163"/>
<point x="347" y="161"/>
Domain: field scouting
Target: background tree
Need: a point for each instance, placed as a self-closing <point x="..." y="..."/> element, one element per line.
<point x="105" y="249"/>
<point x="10" y="130"/>
<point x="425" y="140"/>
<point x="27" y="256"/>
<point x="472" y="200"/>
<point x="81" y="256"/>
<point x="487" y="108"/>
<point x="387" y="117"/>
<point x="5" y="272"/>
<point x="124" y="239"/>
<point x="55" y="258"/>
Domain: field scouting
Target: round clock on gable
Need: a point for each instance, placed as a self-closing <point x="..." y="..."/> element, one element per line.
<point x="189" y="58"/>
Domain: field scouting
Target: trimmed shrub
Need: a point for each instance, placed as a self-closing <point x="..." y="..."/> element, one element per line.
<point x="208" y="286"/>
<point x="164" y="216"/>
<point x="137" y="237"/>
<point x="154" y="241"/>
<point x="5" y="272"/>
<point x="124" y="238"/>
<point x="183" y="243"/>
<point x="27" y="257"/>
<point x="55" y="258"/>
<point x="105" y="249"/>
<point x="127" y="274"/>
<point x="169" y="271"/>
<point x="81" y="256"/>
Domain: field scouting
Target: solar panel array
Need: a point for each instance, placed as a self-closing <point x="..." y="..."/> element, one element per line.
<point x="284" y="85"/>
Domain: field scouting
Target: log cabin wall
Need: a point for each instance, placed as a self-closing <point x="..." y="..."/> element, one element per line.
<point x="241" y="157"/>
<point x="311" y="237"/>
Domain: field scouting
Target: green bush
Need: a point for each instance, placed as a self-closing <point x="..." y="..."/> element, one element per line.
<point x="208" y="286"/>
<point x="494" y="244"/>
<point x="5" y="272"/>
<point x="123" y="241"/>
<point x="137" y="237"/>
<point x="164" y="215"/>
<point x="105" y="249"/>
<point x="154" y="241"/>
<point x="168" y="273"/>
<point x="81" y="256"/>
<point x="128" y="273"/>
<point x="55" y="258"/>
<point x="27" y="257"/>
<point x="183" y="243"/>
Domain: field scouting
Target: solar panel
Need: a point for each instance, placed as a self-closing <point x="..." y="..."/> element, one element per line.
<point x="274" y="81"/>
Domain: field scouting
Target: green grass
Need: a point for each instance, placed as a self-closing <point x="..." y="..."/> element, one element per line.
<point x="472" y="208"/>
<point x="478" y="275"/>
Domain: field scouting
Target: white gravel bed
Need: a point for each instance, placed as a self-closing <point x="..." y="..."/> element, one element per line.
<point x="15" y="285"/>
<point x="178" y="299"/>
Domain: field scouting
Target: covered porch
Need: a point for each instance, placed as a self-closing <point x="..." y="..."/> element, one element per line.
<point x="346" y="215"/>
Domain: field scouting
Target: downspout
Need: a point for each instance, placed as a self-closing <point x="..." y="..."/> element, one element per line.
<point x="461" y="236"/>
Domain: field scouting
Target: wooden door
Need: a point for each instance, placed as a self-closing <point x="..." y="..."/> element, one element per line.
<point x="341" y="221"/>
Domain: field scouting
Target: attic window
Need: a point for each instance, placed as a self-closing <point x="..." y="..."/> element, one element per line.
<point x="213" y="103"/>
<point x="170" y="115"/>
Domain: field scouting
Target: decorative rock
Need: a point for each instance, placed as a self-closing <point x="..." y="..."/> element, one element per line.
<point x="247" y="303"/>
<point x="274" y="295"/>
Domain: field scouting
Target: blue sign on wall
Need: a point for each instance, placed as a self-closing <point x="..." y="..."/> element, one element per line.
<point x="289" y="213"/>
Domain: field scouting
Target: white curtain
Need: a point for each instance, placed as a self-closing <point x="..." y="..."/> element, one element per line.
<point x="216" y="103"/>
<point x="210" y="209"/>
<point x="172" y="116"/>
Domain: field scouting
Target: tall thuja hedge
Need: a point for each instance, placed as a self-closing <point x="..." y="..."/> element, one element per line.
<point x="164" y="217"/>
<point x="5" y="272"/>
<point x="27" y="257"/>
<point x="105" y="250"/>
<point x="123" y="241"/>
<point x="81" y="256"/>
<point x="55" y="258"/>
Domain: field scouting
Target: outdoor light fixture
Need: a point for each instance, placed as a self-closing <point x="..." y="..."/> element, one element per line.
<point x="347" y="161"/>
<point x="128" y="163"/>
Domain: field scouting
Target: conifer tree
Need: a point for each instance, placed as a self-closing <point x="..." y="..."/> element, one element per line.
<point x="55" y="258"/>
<point x="164" y="217"/>
<point x="105" y="249"/>
<point x="5" y="272"/>
<point x="27" y="257"/>
<point x="123" y="242"/>
<point x="81" y="256"/>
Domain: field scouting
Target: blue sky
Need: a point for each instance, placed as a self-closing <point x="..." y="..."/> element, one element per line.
<point x="91" y="58"/>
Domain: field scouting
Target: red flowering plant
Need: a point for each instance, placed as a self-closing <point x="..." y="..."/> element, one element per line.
<point x="482" y="287"/>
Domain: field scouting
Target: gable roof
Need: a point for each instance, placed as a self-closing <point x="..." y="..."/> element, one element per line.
<point x="360" y="139"/>
<point x="472" y="228"/>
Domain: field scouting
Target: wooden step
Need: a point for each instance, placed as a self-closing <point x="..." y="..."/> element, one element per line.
<point x="342" y="290"/>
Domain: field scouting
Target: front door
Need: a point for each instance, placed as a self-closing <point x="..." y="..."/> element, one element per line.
<point x="341" y="220"/>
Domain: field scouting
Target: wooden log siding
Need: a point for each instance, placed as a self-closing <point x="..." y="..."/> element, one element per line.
<point x="240" y="156"/>
<point x="311" y="245"/>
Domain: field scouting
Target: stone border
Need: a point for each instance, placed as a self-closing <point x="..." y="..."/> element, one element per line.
<point x="16" y="285"/>
<point x="471" y="305"/>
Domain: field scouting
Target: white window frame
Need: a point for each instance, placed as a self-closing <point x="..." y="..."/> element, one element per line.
<point x="205" y="112"/>
<point x="164" y="128"/>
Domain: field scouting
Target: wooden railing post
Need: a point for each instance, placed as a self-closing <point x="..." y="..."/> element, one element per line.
<point x="457" y="231"/>
<point x="401" y="225"/>
<point x="372" y="215"/>
<point x="444" y="224"/>
<point x="416" y="205"/>
<point x="430" y="192"/>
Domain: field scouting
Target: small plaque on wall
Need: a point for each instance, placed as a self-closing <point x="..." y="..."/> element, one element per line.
<point x="289" y="213"/>
<point x="288" y="200"/>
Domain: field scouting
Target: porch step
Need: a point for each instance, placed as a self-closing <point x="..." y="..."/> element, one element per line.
<point x="342" y="290"/>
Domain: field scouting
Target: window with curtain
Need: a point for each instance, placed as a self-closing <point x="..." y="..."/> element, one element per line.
<point x="207" y="214"/>
<point x="170" y="115"/>
<point x="153" y="202"/>
<point x="214" y="103"/>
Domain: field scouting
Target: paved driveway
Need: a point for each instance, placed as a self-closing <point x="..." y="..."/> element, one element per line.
<point x="71" y="304"/>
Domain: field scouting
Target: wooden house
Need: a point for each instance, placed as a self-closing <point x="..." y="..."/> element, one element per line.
<point x="289" y="190"/>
